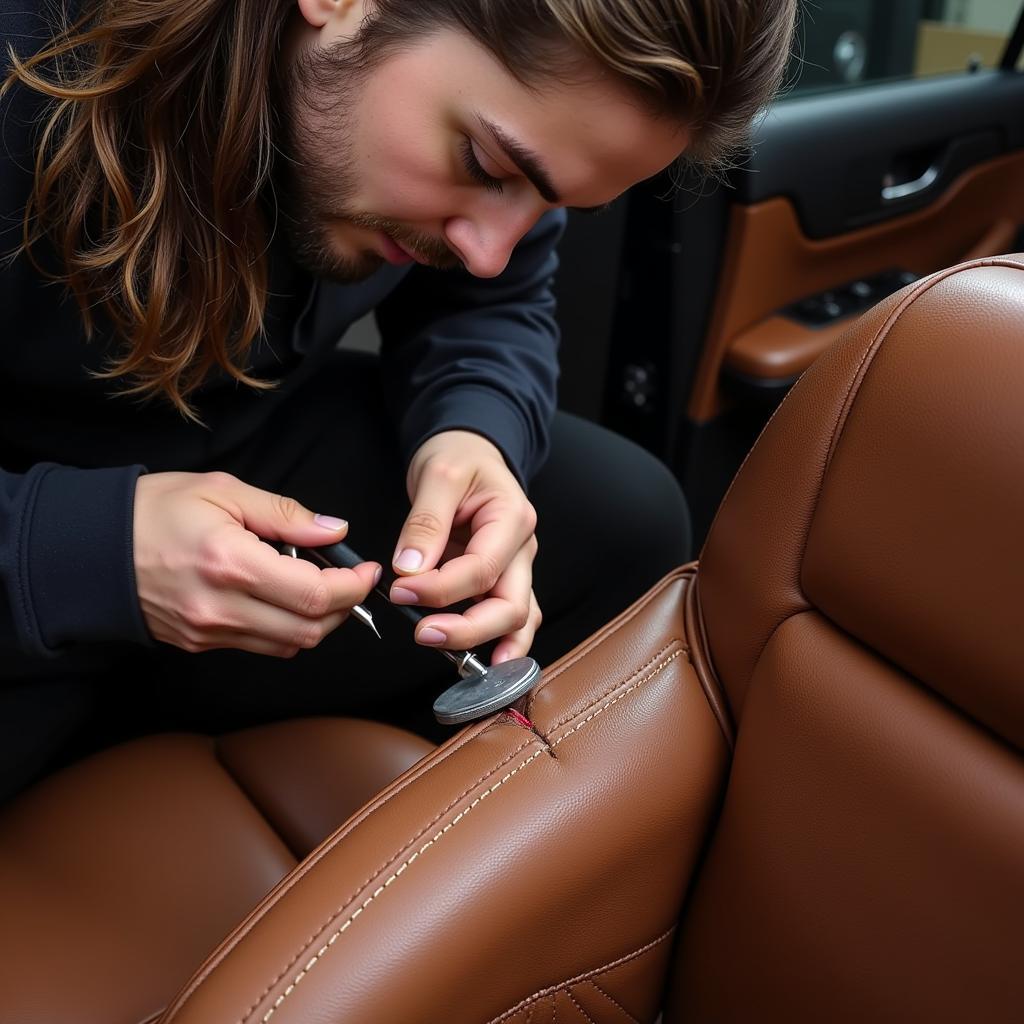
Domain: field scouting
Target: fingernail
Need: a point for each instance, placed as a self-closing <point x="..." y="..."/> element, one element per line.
<point x="399" y="595"/>
<point x="431" y="636"/>
<point x="377" y="575"/>
<point x="409" y="560"/>
<point x="330" y="522"/>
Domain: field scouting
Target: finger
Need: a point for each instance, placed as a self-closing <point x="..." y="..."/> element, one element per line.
<point x="273" y="516"/>
<point x="518" y="644"/>
<point x="292" y="584"/>
<point x="253" y="626"/>
<point x="505" y="612"/>
<point x="275" y="626"/>
<point x="474" y="573"/>
<point x="251" y="644"/>
<point x="428" y="526"/>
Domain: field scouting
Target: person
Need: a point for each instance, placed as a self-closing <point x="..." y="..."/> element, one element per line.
<point x="197" y="201"/>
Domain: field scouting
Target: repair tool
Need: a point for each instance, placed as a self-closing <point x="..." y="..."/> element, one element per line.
<point x="482" y="691"/>
<point x="357" y="610"/>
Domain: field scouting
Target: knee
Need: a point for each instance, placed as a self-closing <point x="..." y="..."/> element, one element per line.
<point x="613" y="494"/>
<point x="651" y="509"/>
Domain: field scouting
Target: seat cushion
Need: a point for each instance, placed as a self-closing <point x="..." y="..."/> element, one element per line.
<point x="118" y="875"/>
<point x="309" y="775"/>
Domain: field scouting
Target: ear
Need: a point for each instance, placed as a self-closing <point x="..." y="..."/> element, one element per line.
<point x="321" y="13"/>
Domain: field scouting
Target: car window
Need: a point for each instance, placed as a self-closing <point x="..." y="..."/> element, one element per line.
<point x="850" y="42"/>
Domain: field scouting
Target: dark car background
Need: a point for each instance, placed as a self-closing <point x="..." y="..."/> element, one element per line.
<point x="897" y="148"/>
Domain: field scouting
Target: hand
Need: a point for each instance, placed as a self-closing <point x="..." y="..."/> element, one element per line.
<point x="206" y="580"/>
<point x="470" y="535"/>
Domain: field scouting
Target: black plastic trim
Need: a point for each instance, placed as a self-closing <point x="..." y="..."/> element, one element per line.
<point x="829" y="153"/>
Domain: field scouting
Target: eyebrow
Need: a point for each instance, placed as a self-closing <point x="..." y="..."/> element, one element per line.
<point x="531" y="166"/>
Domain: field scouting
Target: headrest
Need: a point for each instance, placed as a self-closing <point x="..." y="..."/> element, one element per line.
<point x="887" y="493"/>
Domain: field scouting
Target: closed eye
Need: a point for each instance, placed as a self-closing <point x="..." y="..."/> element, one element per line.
<point x="475" y="170"/>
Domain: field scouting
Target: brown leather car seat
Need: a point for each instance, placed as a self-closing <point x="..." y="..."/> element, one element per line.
<point x="855" y="621"/>
<point x="862" y="600"/>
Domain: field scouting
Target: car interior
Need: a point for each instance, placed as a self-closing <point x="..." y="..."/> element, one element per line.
<point x="786" y="784"/>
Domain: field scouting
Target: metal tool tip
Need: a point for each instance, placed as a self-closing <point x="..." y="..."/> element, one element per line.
<point x="366" y="619"/>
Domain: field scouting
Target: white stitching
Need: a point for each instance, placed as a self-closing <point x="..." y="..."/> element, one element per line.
<point x="626" y="618"/>
<point x="594" y="984"/>
<point x="535" y="999"/>
<point x="604" y="707"/>
<point x="423" y="849"/>
<point x="650" y="661"/>
<point x="334" y="913"/>
<point x="568" y="992"/>
<point x="311" y="963"/>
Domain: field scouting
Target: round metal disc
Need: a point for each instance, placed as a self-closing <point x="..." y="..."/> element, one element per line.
<point x="478" y="696"/>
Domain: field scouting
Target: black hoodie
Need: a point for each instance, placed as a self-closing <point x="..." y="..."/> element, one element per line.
<point x="457" y="352"/>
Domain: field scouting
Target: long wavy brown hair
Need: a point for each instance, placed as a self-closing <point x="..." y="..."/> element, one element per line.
<point x="156" y="154"/>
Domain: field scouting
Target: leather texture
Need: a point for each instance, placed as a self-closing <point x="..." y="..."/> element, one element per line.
<point x="513" y="868"/>
<point x="929" y="462"/>
<point x="860" y="594"/>
<point x="118" y="875"/>
<point x="601" y="996"/>
<point x="309" y="775"/>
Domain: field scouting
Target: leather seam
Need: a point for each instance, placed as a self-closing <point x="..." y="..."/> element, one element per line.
<point x="880" y="337"/>
<point x="395" y="875"/>
<point x="579" y="978"/>
<point x="590" y="1020"/>
<point x="615" y="700"/>
<point x="612" y="999"/>
<point x="394" y="856"/>
<point x="230" y="943"/>
<point x="989" y="262"/>
<point x="609" y="631"/>
<point x="406" y="864"/>
<point x="849" y="400"/>
<point x="703" y="667"/>
<point x="650" y="661"/>
<point x="419" y="835"/>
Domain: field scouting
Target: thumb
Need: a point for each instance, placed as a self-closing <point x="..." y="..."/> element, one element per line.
<point x="278" y="517"/>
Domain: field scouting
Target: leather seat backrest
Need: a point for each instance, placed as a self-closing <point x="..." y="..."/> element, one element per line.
<point x="862" y="598"/>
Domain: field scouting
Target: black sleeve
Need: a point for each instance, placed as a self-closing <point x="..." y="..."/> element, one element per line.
<point x="66" y="558"/>
<point x="462" y="353"/>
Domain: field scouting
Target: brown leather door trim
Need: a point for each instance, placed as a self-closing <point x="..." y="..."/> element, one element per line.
<point x="769" y="263"/>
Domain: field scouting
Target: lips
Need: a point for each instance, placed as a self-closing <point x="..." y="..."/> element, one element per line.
<point x="393" y="252"/>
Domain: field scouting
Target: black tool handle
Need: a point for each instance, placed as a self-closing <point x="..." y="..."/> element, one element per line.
<point x="341" y="556"/>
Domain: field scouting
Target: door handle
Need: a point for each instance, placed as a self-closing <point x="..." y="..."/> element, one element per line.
<point x="891" y="191"/>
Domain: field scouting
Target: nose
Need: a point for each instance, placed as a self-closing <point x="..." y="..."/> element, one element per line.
<point x="484" y="239"/>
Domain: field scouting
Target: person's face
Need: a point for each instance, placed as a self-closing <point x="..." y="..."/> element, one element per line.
<point x="439" y="155"/>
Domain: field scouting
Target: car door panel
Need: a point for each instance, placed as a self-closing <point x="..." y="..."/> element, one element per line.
<point x="771" y="263"/>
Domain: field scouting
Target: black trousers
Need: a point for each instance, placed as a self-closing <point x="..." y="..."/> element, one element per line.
<point x="611" y="522"/>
